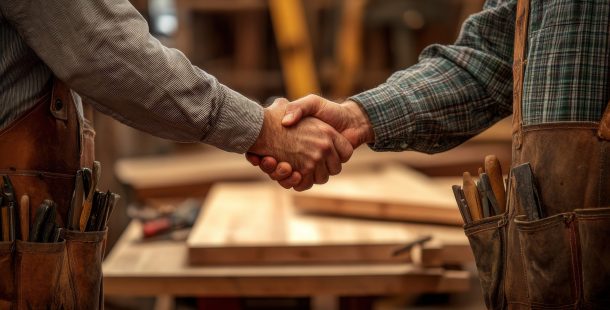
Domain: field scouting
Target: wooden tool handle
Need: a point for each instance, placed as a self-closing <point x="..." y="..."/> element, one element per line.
<point x="471" y="194"/>
<point x="494" y="171"/>
<point x="24" y="217"/>
<point x="5" y="225"/>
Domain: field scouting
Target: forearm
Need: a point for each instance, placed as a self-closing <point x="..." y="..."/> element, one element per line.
<point x="102" y="50"/>
<point x="452" y="94"/>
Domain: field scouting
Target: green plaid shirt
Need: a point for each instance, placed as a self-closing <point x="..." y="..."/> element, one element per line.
<point x="457" y="91"/>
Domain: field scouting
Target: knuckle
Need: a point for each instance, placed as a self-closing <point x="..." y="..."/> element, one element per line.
<point x="317" y="156"/>
<point x="307" y="168"/>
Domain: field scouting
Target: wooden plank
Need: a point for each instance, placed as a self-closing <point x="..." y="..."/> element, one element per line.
<point x="186" y="169"/>
<point x="395" y="193"/>
<point x="137" y="268"/>
<point x="255" y="223"/>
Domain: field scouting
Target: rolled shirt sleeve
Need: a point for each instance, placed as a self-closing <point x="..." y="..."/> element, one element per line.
<point x="104" y="52"/>
<point x="453" y="92"/>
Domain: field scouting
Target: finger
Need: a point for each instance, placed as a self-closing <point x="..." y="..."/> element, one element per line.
<point x="283" y="171"/>
<point x="254" y="159"/>
<point x="305" y="184"/>
<point x="343" y="147"/>
<point x="292" y="181"/>
<point x="308" y="105"/>
<point x="321" y="173"/>
<point x="333" y="162"/>
<point x="268" y="164"/>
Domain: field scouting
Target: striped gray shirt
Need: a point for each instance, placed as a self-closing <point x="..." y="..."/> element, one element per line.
<point x="102" y="49"/>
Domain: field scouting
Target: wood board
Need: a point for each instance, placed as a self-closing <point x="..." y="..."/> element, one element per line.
<point x="394" y="193"/>
<point x="138" y="268"/>
<point x="256" y="224"/>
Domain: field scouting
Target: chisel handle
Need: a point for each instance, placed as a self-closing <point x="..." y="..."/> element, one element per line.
<point x="494" y="172"/>
<point x="24" y="217"/>
<point x="471" y="194"/>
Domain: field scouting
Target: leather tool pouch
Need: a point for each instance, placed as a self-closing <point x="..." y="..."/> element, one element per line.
<point x="487" y="240"/>
<point x="567" y="260"/>
<point x="60" y="275"/>
<point x="65" y="274"/>
<point x="558" y="262"/>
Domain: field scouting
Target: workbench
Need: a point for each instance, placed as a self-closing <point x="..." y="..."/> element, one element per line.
<point x="160" y="268"/>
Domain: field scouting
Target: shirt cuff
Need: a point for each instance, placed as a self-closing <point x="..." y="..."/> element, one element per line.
<point x="389" y="115"/>
<point x="238" y="123"/>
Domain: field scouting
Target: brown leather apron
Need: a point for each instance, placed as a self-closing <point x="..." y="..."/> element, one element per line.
<point x="41" y="152"/>
<point x="563" y="260"/>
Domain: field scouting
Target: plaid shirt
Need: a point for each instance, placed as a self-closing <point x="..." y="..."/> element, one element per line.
<point x="457" y="91"/>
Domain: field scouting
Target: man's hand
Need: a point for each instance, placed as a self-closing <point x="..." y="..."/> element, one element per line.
<point x="312" y="148"/>
<point x="347" y="118"/>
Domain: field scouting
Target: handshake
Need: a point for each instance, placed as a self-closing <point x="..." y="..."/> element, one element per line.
<point x="305" y="141"/>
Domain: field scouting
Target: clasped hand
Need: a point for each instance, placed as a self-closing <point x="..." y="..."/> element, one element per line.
<point x="305" y="141"/>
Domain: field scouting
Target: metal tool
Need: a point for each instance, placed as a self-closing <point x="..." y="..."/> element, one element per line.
<point x="410" y="245"/>
<point x="526" y="192"/>
<point x="484" y="201"/>
<point x="39" y="221"/>
<point x="489" y="193"/>
<point x="76" y="204"/>
<point x="8" y="211"/>
<point x="466" y="210"/>
<point x="49" y="228"/>
<point x="86" y="212"/>
<point x="462" y="207"/>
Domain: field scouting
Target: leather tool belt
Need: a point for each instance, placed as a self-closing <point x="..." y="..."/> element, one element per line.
<point x="561" y="261"/>
<point x="42" y="150"/>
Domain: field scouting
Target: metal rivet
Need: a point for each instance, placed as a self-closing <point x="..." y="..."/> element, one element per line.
<point x="58" y="104"/>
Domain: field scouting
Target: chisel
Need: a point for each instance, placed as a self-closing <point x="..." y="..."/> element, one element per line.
<point x="86" y="212"/>
<point x="483" y="196"/>
<point x="76" y="204"/>
<point x="8" y="212"/>
<point x="39" y="222"/>
<point x="494" y="172"/>
<point x="459" y="198"/>
<point x="471" y="194"/>
<point x="49" y="227"/>
<point x="485" y="184"/>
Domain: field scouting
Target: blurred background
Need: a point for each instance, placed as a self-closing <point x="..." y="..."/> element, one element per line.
<point x="290" y="48"/>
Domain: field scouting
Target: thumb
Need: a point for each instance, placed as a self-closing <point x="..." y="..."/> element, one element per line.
<point x="300" y="108"/>
<point x="293" y="115"/>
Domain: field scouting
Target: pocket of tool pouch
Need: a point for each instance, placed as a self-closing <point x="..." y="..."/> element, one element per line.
<point x="38" y="268"/>
<point x="548" y="247"/>
<point x="85" y="251"/>
<point x="594" y="231"/>
<point x="6" y="275"/>
<point x="486" y="239"/>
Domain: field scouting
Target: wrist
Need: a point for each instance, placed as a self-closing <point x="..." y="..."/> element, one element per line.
<point x="360" y="122"/>
<point x="261" y="144"/>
